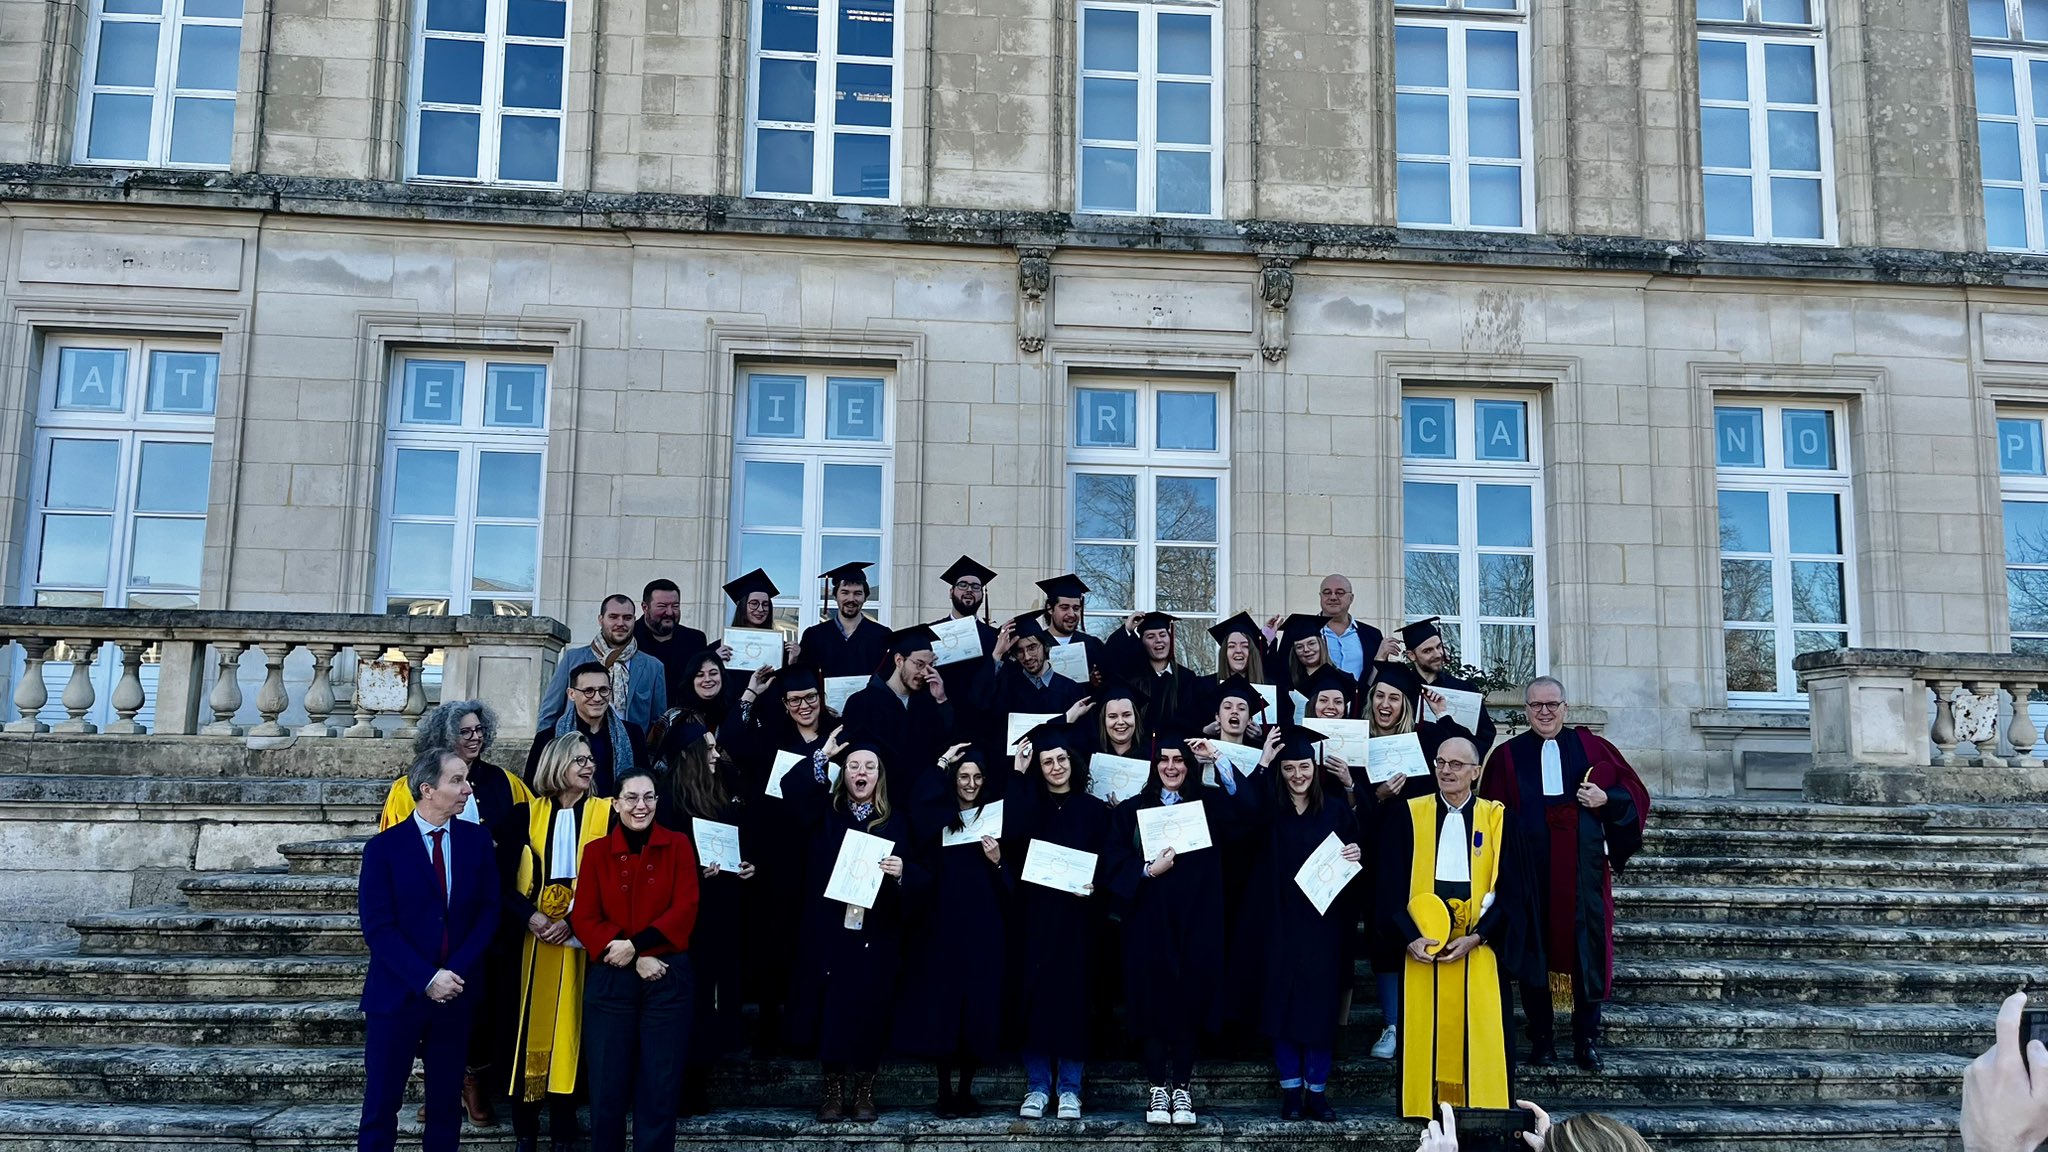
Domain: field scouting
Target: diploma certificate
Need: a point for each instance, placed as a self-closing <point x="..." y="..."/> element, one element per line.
<point x="1272" y="698"/>
<point x="753" y="648"/>
<point x="1183" y="827"/>
<point x="1021" y="724"/>
<point x="1391" y="756"/>
<point x="784" y="761"/>
<point x="857" y="873"/>
<point x="1114" y="779"/>
<point x="1346" y="739"/>
<point x="1243" y="757"/>
<point x="1069" y="660"/>
<point x="840" y="689"/>
<point x="988" y="821"/>
<point x="716" y="843"/>
<point x="1060" y="868"/>
<point x="1325" y="873"/>
<point x="957" y="640"/>
<point x="1465" y="707"/>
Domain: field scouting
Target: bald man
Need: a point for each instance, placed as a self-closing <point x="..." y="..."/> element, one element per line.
<point x="1351" y="643"/>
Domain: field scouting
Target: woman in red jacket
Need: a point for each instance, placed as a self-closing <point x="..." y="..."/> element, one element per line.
<point x="636" y="903"/>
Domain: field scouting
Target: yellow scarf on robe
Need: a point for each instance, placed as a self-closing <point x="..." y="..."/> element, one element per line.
<point x="399" y="804"/>
<point x="1453" y="1046"/>
<point x="551" y="975"/>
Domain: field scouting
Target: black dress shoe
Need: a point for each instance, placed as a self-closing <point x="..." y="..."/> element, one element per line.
<point x="1588" y="1058"/>
<point x="1544" y="1056"/>
<point x="523" y="1144"/>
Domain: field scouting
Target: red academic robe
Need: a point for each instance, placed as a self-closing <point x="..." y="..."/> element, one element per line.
<point x="1573" y="851"/>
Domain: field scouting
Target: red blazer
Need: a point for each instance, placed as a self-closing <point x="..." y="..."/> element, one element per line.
<point x="619" y="894"/>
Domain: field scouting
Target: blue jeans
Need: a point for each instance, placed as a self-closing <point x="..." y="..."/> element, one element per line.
<point x="1038" y="1074"/>
<point x="1299" y="1066"/>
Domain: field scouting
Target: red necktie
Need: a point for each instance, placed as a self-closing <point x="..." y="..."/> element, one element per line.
<point x="441" y="874"/>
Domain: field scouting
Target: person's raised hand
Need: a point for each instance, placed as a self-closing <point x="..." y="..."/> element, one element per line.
<point x="2005" y="1091"/>
<point x="1441" y="1135"/>
<point x="1080" y="709"/>
<point x="1535" y="1139"/>
<point x="992" y="849"/>
<point x="1162" y="865"/>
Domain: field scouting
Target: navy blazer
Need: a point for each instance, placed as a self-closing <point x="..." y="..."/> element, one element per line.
<point x="398" y="902"/>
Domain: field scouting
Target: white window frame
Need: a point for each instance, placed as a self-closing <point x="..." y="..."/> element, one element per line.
<point x="492" y="111"/>
<point x="1459" y="93"/>
<point x="1148" y="78"/>
<point x="824" y="125"/>
<point x="2021" y="488"/>
<point x="1467" y="471"/>
<point x="1147" y="464"/>
<point x="1759" y="107"/>
<point x="164" y="93"/>
<point x="1776" y="481"/>
<point x="803" y="604"/>
<point x="2017" y="52"/>
<point x="469" y="439"/>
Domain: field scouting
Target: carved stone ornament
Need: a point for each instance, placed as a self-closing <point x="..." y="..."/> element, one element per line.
<point x="1276" y="288"/>
<point x="1034" y="282"/>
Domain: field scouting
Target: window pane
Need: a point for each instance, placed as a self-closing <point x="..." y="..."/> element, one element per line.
<point x="1493" y="60"/>
<point x="448" y="143"/>
<point x="1186" y="580"/>
<point x="92" y="379"/>
<point x="120" y="127"/>
<point x="1739" y="437"/>
<point x="2026" y="589"/>
<point x="1109" y="109"/>
<point x="836" y="550"/>
<point x="1721" y="10"/>
<point x="1746" y="594"/>
<point x="174" y="476"/>
<point x="1752" y="657"/>
<point x="209" y="55"/>
<point x="853" y="409"/>
<point x="127" y="54"/>
<point x="789" y="26"/>
<point x="1422" y="124"/>
<point x="782" y="161"/>
<point x="2034" y="19"/>
<point x="422" y="557"/>
<point x="864" y="95"/>
<point x="1183" y="113"/>
<point x="135" y="7"/>
<point x="1105" y="506"/>
<point x="1109" y="40"/>
<point x="1817" y="593"/>
<point x="541" y="19"/>
<point x="1815" y="523"/>
<point x="84" y="475"/>
<point x="1502" y="429"/>
<point x="1787" y="12"/>
<point x="1995" y="86"/>
<point x="2005" y="217"/>
<point x="425" y="483"/>
<point x="1745" y="521"/>
<point x="1998" y="147"/>
<point x="1730" y="211"/>
<point x="780" y="556"/>
<point x="1809" y="439"/>
<point x="867" y="28"/>
<point x="515" y="395"/>
<point x="75" y="550"/>
<point x="433" y="392"/>
<point x="1496" y="196"/>
<point x="166" y="553"/>
<point x="1429" y="428"/>
<point x="1504" y="517"/>
<point x="1796" y="209"/>
<point x="1507" y="585"/>
<point x="1430" y="584"/>
<point x="1186" y="508"/>
<point x="1788" y="74"/>
<point x="1795" y="141"/>
<point x="1184" y="183"/>
<point x="1804" y="642"/>
<point x="789" y="90"/>
<point x="1724" y="137"/>
<point x="1495" y="126"/>
<point x="455" y="15"/>
<point x="853" y="496"/>
<point x="1109" y="180"/>
<point x="452" y="71"/>
<point x="202" y="131"/>
<point x="2026" y="531"/>
<point x="1187" y="421"/>
<point x="182" y="383"/>
<point x="1987" y="18"/>
<point x="507" y="556"/>
<point x="1724" y="70"/>
<point x="775" y="406"/>
<point x="1423" y="193"/>
<point x="860" y="165"/>
<point x="533" y="76"/>
<point x="771" y="496"/>
<point x="1429" y="513"/>
<point x="1183" y="44"/>
<point x="1105" y="418"/>
<point x="1509" y="646"/>
<point x="1422" y="56"/>
<point x="1110" y="571"/>
<point x="508" y="485"/>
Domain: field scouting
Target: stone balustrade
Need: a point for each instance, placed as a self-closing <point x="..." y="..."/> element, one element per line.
<point x="367" y="675"/>
<point x="1902" y="726"/>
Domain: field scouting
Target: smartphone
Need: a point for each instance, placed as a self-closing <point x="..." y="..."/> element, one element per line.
<point x="2033" y="1026"/>
<point x="1493" y="1129"/>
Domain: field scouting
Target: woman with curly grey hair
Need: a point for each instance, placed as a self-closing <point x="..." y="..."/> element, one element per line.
<point x="466" y="728"/>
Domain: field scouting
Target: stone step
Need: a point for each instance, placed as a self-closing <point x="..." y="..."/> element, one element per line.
<point x="324" y="857"/>
<point x="156" y="1073"/>
<point x="1820" y="943"/>
<point x="64" y="976"/>
<point x="1752" y="844"/>
<point x="1778" y="815"/>
<point x="270" y="890"/>
<point x="192" y="1024"/>
<point x="348" y="800"/>
<point x="1858" y="1027"/>
<point x="178" y="931"/>
<point x="1822" y="872"/>
<point x="1813" y="905"/>
<point x="1838" y="983"/>
<point x="1863" y="1126"/>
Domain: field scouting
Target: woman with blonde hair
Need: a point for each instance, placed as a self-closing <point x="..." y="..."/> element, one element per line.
<point x="1586" y="1132"/>
<point x="563" y="818"/>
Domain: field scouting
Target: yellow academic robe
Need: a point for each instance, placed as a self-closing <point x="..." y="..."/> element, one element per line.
<point x="1453" y="1043"/>
<point x="399" y="804"/>
<point x="551" y="975"/>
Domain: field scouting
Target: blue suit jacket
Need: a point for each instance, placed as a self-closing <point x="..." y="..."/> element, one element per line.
<point x="398" y="900"/>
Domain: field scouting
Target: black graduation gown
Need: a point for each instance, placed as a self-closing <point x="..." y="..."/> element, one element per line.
<point x="678" y="655"/>
<point x="1098" y="656"/>
<point x="773" y="839"/>
<point x="1001" y="689"/>
<point x="1176" y="696"/>
<point x="959" y="678"/>
<point x="717" y="942"/>
<point x="910" y="736"/>
<point x="600" y="750"/>
<point x="844" y="996"/>
<point x="1055" y="932"/>
<point x="1173" y="931"/>
<point x="1295" y="961"/>
<point x="837" y="654"/>
<point x="953" y="994"/>
<point x="1433" y="733"/>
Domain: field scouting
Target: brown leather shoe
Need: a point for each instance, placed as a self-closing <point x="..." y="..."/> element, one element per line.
<point x="832" y="1107"/>
<point x="864" y="1098"/>
<point x="477" y="1101"/>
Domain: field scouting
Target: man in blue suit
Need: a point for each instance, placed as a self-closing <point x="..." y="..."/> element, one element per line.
<point x="428" y="902"/>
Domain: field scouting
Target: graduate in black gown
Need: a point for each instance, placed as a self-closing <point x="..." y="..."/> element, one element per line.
<point x="953" y="996"/>
<point x="846" y="643"/>
<point x="695" y="780"/>
<point x="1142" y="652"/>
<point x="1390" y="706"/>
<point x="1427" y="659"/>
<point x="1240" y="651"/>
<point x="1016" y="678"/>
<point x="1297" y="958"/>
<point x="1173" y="938"/>
<point x="1303" y="652"/>
<point x="1055" y="931"/>
<point x="1114" y="724"/>
<point x="1066" y="621"/>
<point x="850" y="958"/>
<point x="904" y="709"/>
<point x="967" y="584"/>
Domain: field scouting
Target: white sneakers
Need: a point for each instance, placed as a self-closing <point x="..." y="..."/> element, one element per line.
<point x="1034" y="1106"/>
<point x="1388" y="1043"/>
<point x="1183" y="1108"/>
<point x="1157" y="1109"/>
<point x="1070" y="1106"/>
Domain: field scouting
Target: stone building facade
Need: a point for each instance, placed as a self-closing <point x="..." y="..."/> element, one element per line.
<point x="1649" y="341"/>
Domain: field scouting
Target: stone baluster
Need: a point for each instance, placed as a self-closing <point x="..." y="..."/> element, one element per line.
<point x="319" y="692"/>
<point x="365" y="727"/>
<point x="128" y="696"/>
<point x="226" y="698"/>
<point x="1944" y="731"/>
<point x="415" y="691"/>
<point x="78" y="695"/>
<point x="1986" y="692"/>
<point x="30" y="695"/>
<point x="271" y="699"/>
<point x="2022" y="732"/>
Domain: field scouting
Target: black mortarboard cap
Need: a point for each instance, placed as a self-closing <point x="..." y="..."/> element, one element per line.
<point x="1048" y="735"/>
<point x="798" y="678"/>
<point x="1242" y="623"/>
<point x="1153" y="621"/>
<point x="904" y="641"/>
<point x="1068" y="585"/>
<point x="683" y="734"/>
<point x="756" y="581"/>
<point x="1421" y="630"/>
<point x="853" y="571"/>
<point x="1243" y="689"/>
<point x="1122" y="690"/>
<point x="1400" y="677"/>
<point x="860" y="743"/>
<point x="1298" y="742"/>
<point x="968" y="566"/>
<point x="1301" y="626"/>
<point x="1027" y="627"/>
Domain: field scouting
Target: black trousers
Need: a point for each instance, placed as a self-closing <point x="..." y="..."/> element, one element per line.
<point x="1543" y="1021"/>
<point x="1170" y="1062"/>
<point x="635" y="1037"/>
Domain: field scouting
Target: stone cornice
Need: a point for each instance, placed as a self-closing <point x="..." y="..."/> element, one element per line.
<point x="733" y="216"/>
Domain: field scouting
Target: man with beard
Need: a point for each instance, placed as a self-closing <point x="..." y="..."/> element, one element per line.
<point x="1065" y="614"/>
<point x="1026" y="684"/>
<point x="661" y="634"/>
<point x="967" y="584"/>
<point x="849" y="644"/>
<point x="904" y="711"/>
<point x="639" y="683"/>
<point x="1429" y="655"/>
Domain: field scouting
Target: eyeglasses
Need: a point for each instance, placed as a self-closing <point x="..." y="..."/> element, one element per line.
<point x="967" y="585"/>
<point x="584" y="761"/>
<point x="1456" y="764"/>
<point x="601" y="692"/>
<point x="637" y="800"/>
<point x="468" y="733"/>
<point x="801" y="699"/>
<point x="1545" y="705"/>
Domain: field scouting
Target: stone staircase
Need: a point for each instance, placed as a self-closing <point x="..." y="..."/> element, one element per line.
<point x="1755" y="1009"/>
